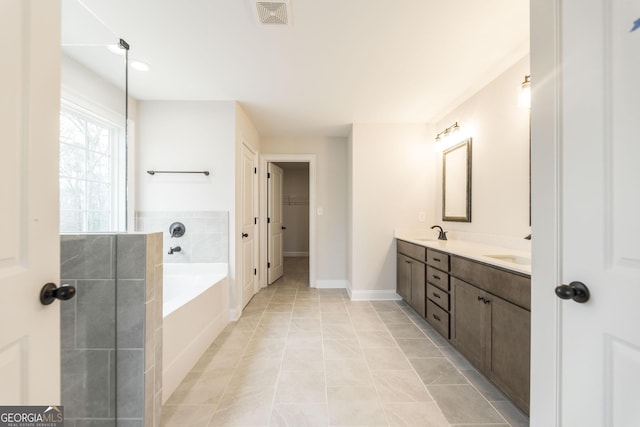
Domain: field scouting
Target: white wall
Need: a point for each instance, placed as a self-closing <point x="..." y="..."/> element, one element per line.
<point x="186" y="135"/>
<point x="391" y="171"/>
<point x="500" y="167"/>
<point x="331" y="196"/>
<point x="78" y="82"/>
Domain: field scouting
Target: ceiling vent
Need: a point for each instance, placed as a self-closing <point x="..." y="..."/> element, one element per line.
<point x="273" y="12"/>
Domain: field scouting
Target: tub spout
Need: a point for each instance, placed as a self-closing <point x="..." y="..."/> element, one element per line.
<point x="174" y="249"/>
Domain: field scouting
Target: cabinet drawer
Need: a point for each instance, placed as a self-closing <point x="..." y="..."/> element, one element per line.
<point x="438" y="296"/>
<point x="411" y="250"/>
<point x="438" y="278"/>
<point x="438" y="259"/>
<point x="438" y="318"/>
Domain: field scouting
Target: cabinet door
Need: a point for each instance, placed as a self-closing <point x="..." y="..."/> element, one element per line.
<point x="418" y="287"/>
<point x="510" y="350"/>
<point x="471" y="322"/>
<point x="403" y="284"/>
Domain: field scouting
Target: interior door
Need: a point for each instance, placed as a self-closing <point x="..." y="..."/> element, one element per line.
<point x="600" y="215"/>
<point x="249" y="265"/>
<point x="29" y="253"/>
<point x="274" y="223"/>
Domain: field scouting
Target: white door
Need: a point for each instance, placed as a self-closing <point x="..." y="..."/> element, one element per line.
<point x="30" y="249"/>
<point x="249" y="242"/>
<point x="275" y="266"/>
<point x="599" y="341"/>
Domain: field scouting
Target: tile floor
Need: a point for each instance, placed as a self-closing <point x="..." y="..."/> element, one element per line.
<point x="300" y="356"/>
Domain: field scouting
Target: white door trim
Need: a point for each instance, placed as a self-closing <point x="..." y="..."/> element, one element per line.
<point x="304" y="158"/>
<point x="546" y="127"/>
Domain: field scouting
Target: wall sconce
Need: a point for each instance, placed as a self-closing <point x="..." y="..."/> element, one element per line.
<point x="445" y="138"/>
<point x="524" y="99"/>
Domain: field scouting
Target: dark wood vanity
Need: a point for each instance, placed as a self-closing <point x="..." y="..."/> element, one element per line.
<point x="482" y="309"/>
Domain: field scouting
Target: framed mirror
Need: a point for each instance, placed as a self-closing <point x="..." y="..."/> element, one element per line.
<point x="456" y="182"/>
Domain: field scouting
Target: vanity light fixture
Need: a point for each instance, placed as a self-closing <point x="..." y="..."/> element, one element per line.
<point x="524" y="98"/>
<point x="445" y="134"/>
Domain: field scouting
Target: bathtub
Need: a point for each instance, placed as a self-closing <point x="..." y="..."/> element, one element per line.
<point x="195" y="310"/>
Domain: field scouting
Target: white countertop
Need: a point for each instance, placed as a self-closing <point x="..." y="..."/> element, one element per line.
<point x="511" y="259"/>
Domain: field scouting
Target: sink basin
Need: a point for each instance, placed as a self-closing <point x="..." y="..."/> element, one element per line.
<point x="516" y="259"/>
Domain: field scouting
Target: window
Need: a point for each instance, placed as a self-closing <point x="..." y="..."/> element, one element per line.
<point x="90" y="177"/>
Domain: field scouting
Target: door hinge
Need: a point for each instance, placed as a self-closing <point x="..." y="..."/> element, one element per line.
<point x="268" y="174"/>
<point x="255" y="272"/>
<point x="255" y="220"/>
<point x="268" y="220"/>
<point x="268" y="265"/>
<point x="255" y="170"/>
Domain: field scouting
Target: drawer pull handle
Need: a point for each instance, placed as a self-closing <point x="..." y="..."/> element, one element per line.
<point x="435" y="316"/>
<point x="487" y="301"/>
<point x="437" y="260"/>
<point x="408" y="262"/>
<point x="436" y="277"/>
<point x="437" y="295"/>
<point x="480" y="298"/>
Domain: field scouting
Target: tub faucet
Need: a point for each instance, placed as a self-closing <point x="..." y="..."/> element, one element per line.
<point x="442" y="235"/>
<point x="174" y="249"/>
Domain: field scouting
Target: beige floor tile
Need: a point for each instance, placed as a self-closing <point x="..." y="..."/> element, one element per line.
<point x="186" y="416"/>
<point x="279" y="307"/>
<point x="418" y="348"/>
<point x="462" y="404"/>
<point x="249" y="406"/>
<point x="333" y="318"/>
<point x="255" y="372"/>
<point x="342" y="349"/>
<point x="298" y="341"/>
<point x="301" y="387"/>
<point x="201" y="388"/>
<point x="311" y="325"/>
<point x="338" y="331"/>
<point x="400" y="386"/>
<point x="355" y="406"/>
<point x="423" y="414"/>
<point x="375" y="339"/>
<point x="403" y="330"/>
<point x="265" y="348"/>
<point x="437" y="370"/>
<point x="221" y="358"/>
<point x="302" y="359"/>
<point x="300" y="415"/>
<point x="347" y="372"/>
<point x="386" y="359"/>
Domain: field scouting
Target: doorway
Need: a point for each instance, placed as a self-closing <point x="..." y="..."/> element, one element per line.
<point x="291" y="227"/>
<point x="297" y="230"/>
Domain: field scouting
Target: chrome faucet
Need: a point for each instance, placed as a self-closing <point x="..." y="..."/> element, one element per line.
<point x="174" y="249"/>
<point x="442" y="235"/>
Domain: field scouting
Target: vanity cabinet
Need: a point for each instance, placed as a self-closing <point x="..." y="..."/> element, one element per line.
<point x="438" y="299"/>
<point x="410" y="284"/>
<point x="491" y="326"/>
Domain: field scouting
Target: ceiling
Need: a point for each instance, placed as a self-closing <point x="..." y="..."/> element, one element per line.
<point x="340" y="62"/>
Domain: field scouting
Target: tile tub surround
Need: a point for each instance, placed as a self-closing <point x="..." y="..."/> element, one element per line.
<point x="112" y="323"/>
<point x="302" y="356"/>
<point x="206" y="238"/>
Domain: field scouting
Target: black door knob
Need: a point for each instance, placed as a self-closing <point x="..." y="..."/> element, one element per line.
<point x="576" y="291"/>
<point x="50" y="292"/>
<point x="244" y="235"/>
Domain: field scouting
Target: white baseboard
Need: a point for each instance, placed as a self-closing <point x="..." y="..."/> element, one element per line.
<point x="373" y="295"/>
<point x="332" y="284"/>
<point x="294" y="253"/>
